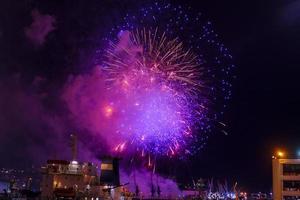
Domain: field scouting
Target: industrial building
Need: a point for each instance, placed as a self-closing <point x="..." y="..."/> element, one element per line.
<point x="72" y="179"/>
<point x="286" y="178"/>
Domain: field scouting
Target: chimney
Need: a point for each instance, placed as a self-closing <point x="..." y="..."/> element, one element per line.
<point x="73" y="138"/>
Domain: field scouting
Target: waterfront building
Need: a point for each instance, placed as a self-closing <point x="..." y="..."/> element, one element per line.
<point x="286" y="178"/>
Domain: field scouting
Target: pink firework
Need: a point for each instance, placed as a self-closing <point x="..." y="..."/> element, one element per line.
<point x="160" y="82"/>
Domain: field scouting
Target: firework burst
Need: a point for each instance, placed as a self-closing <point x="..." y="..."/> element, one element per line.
<point x="161" y="87"/>
<point x="167" y="82"/>
<point x="161" y="83"/>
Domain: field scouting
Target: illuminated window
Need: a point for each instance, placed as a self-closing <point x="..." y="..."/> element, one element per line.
<point x="105" y="166"/>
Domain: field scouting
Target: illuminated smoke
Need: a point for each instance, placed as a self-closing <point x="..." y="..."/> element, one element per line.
<point x="40" y="27"/>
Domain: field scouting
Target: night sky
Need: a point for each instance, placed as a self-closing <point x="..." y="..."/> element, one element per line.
<point x="264" y="113"/>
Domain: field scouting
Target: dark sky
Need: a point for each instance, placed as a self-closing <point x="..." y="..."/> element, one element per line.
<point x="263" y="36"/>
<point x="264" y="115"/>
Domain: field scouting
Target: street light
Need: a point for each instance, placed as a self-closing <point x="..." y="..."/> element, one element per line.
<point x="280" y="154"/>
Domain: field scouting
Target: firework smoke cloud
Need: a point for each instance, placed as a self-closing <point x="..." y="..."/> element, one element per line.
<point x="40" y="27"/>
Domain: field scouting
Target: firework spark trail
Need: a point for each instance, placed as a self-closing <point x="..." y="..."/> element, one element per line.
<point x="158" y="55"/>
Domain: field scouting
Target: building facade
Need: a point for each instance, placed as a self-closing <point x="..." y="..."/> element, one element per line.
<point x="70" y="179"/>
<point x="286" y="179"/>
